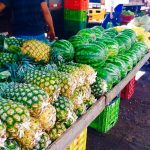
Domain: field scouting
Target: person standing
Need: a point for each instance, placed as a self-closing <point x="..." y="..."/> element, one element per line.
<point x="29" y="18"/>
<point x="114" y="11"/>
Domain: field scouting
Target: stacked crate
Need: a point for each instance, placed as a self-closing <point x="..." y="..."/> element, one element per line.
<point x="75" y="16"/>
<point x="108" y="118"/>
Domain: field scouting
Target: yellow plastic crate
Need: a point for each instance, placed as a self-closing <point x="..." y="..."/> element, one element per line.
<point x="80" y="142"/>
<point x="96" y="15"/>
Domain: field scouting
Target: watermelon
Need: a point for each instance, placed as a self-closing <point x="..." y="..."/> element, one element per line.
<point x="91" y="54"/>
<point x="62" y="50"/>
<point x="125" y="39"/>
<point x="121" y="64"/>
<point x="88" y="33"/>
<point x="78" y="40"/>
<point x="130" y="33"/>
<point x="112" y="45"/>
<point x="99" y="31"/>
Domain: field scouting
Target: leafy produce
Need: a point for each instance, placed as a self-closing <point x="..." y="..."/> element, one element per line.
<point x="63" y="51"/>
<point x="128" y="13"/>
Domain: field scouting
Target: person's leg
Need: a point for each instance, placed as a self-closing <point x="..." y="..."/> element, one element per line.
<point x="114" y="20"/>
<point x="106" y="20"/>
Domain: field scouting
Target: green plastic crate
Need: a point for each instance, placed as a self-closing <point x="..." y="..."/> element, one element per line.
<point x="72" y="27"/>
<point x="108" y="118"/>
<point x="75" y="15"/>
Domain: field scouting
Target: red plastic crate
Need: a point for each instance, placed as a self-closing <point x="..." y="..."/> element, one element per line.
<point x="129" y="90"/>
<point x="76" y="4"/>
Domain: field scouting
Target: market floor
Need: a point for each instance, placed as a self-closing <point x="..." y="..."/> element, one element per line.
<point x="132" y="132"/>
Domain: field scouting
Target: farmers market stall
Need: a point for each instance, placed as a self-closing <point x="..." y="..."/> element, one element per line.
<point x="51" y="92"/>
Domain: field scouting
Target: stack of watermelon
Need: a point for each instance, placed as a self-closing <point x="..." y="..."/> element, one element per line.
<point x="111" y="53"/>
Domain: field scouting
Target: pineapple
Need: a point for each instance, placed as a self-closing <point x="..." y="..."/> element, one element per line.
<point x="11" y="144"/>
<point x="37" y="50"/>
<point x="7" y="58"/>
<point x="90" y="101"/>
<point x="68" y="84"/>
<point x="32" y="96"/>
<point x="43" y="143"/>
<point x="47" y="118"/>
<point x="89" y="72"/>
<point x="13" y="44"/>
<point x="80" y="110"/>
<point x="15" y="116"/>
<point x="99" y="87"/>
<point x="85" y="90"/>
<point x="64" y="110"/>
<point x="31" y="136"/>
<point x="57" y="131"/>
<point x="75" y="72"/>
<point x="48" y="82"/>
<point x="2" y="134"/>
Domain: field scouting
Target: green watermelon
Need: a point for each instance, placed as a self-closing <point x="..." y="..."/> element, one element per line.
<point x="121" y="64"/>
<point x="99" y="31"/>
<point x="130" y="33"/>
<point x="62" y="51"/>
<point x="125" y="39"/>
<point x="88" y="33"/>
<point x="112" y="45"/>
<point x="91" y="54"/>
<point x="78" y="40"/>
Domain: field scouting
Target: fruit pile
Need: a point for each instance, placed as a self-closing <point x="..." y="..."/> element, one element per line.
<point x="45" y="87"/>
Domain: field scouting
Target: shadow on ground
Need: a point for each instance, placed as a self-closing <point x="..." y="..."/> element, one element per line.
<point x="132" y="132"/>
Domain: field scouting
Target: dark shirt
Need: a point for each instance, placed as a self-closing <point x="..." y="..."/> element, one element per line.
<point x="27" y="17"/>
<point x="119" y="8"/>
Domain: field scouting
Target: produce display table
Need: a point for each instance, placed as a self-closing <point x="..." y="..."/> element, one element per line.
<point x="94" y="111"/>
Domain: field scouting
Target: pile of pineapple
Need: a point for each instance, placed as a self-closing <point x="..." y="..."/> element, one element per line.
<point x="38" y="102"/>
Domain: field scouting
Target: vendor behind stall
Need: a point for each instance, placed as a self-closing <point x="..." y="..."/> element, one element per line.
<point x="29" y="18"/>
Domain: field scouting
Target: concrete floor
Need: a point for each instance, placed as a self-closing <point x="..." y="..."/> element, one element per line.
<point x="132" y="131"/>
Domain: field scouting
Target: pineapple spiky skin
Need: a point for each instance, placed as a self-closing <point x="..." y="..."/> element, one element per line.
<point x="43" y="143"/>
<point x="68" y="84"/>
<point x="48" y="118"/>
<point x="13" y="44"/>
<point x="57" y="131"/>
<point x="11" y="144"/>
<point x="14" y="115"/>
<point x="80" y="110"/>
<point x="37" y="50"/>
<point x="73" y="71"/>
<point x="32" y="96"/>
<point x="90" y="101"/>
<point x="99" y="87"/>
<point x="64" y="109"/>
<point x="7" y="58"/>
<point x="48" y="82"/>
<point x="31" y="136"/>
<point x="2" y="134"/>
<point x="89" y="73"/>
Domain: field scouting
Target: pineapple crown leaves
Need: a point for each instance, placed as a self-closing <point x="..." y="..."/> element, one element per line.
<point x="3" y="87"/>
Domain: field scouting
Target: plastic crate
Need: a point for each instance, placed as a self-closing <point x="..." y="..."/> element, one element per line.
<point x="72" y="27"/>
<point x="129" y="90"/>
<point x="76" y="4"/>
<point x="75" y="15"/>
<point x="108" y="118"/>
<point x="126" y="19"/>
<point x="80" y="142"/>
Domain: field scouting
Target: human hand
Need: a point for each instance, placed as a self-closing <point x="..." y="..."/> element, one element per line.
<point x="111" y="16"/>
<point x="51" y="35"/>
